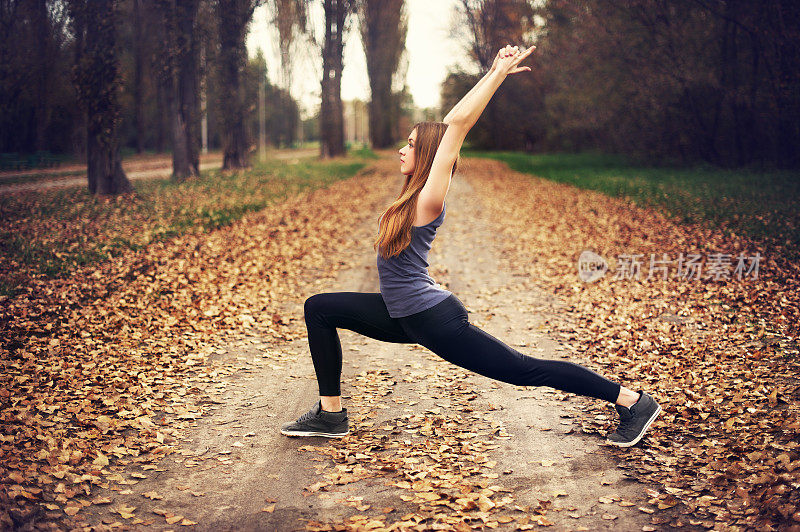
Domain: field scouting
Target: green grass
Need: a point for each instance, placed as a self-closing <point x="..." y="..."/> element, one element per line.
<point x="54" y="231"/>
<point x="759" y="204"/>
<point x="363" y="152"/>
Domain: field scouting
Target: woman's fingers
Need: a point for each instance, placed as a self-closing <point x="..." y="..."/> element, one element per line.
<point x="518" y="59"/>
<point x="520" y="69"/>
<point x="508" y="50"/>
<point x="512" y="51"/>
<point x="527" y="52"/>
<point x="523" y="55"/>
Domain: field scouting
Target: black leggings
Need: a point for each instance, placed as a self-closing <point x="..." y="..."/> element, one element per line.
<point x="445" y="330"/>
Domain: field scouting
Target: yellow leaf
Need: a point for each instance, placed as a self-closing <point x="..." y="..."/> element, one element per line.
<point x="484" y="504"/>
<point x="126" y="512"/>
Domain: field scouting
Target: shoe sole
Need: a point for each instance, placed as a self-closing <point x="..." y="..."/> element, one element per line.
<point x="323" y="434"/>
<point x="639" y="437"/>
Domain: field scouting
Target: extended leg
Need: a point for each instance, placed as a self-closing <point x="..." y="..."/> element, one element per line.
<point x="445" y="330"/>
<point x="364" y="313"/>
<point x="479" y="351"/>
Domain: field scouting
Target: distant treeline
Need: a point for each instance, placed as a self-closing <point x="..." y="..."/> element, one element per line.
<point x="39" y="108"/>
<point x="683" y="80"/>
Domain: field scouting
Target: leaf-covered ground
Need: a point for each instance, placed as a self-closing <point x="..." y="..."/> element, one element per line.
<point x="758" y="203"/>
<point x="91" y="361"/>
<point x="108" y="369"/>
<point x="51" y="232"/>
<point x="729" y="437"/>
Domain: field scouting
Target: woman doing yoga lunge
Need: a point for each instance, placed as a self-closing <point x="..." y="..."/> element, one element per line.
<point x="412" y="308"/>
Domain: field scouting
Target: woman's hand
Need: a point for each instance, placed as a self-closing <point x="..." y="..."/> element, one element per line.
<point x="509" y="57"/>
<point x="506" y="49"/>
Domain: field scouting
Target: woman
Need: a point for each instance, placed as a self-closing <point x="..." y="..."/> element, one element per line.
<point x="411" y="308"/>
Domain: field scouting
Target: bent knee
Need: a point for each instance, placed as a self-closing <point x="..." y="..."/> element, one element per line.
<point x="313" y="305"/>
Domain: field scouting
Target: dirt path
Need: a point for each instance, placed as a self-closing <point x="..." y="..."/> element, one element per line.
<point x="423" y="432"/>
<point x="156" y="170"/>
<point x="135" y="170"/>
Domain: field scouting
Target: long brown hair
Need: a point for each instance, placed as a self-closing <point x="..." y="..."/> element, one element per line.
<point x="394" y="233"/>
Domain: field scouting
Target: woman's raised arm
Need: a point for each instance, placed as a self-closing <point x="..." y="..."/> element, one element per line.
<point x="466" y="113"/>
<point x="449" y="118"/>
<point x="507" y="49"/>
<point x="462" y="118"/>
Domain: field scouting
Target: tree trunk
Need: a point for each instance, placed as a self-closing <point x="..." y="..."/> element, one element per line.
<point x="179" y="71"/>
<point x="331" y="111"/>
<point x="161" y="109"/>
<point x="44" y="73"/>
<point x="188" y="85"/>
<point x="97" y="81"/>
<point x="181" y="161"/>
<point x="788" y="77"/>
<point x="382" y="117"/>
<point x="383" y="31"/>
<point x="138" y="66"/>
<point x="233" y="17"/>
<point x="104" y="168"/>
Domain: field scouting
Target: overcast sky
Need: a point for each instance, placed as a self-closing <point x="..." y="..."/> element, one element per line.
<point x="430" y="53"/>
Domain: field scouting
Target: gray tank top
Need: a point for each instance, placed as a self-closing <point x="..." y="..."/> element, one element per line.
<point x="405" y="284"/>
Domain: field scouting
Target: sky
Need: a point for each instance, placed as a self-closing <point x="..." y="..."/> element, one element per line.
<point x="430" y="52"/>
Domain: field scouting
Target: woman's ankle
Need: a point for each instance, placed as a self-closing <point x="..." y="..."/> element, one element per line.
<point x="627" y="397"/>
<point x="331" y="403"/>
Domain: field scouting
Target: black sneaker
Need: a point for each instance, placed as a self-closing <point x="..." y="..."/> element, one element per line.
<point x="318" y="422"/>
<point x="634" y="421"/>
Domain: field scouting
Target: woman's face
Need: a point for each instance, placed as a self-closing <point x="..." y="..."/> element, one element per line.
<point x="408" y="154"/>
